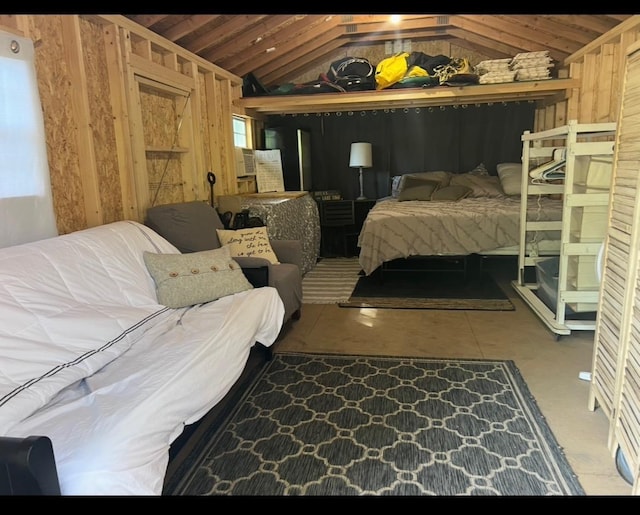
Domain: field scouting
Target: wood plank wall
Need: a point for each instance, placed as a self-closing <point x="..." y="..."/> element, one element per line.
<point x="599" y="66"/>
<point x="101" y="119"/>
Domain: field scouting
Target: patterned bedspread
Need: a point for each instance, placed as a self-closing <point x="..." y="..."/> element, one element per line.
<point x="395" y="229"/>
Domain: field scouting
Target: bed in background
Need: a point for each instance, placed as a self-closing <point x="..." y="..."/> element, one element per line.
<point x="445" y="214"/>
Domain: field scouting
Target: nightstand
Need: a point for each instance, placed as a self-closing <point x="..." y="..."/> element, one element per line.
<point x="340" y="224"/>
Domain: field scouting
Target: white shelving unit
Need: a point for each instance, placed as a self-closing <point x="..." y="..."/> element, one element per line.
<point x="588" y="151"/>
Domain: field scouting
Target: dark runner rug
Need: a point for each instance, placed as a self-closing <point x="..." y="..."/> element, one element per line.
<point x="429" y="290"/>
<point x="329" y="425"/>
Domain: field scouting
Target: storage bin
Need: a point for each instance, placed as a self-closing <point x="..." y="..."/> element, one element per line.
<point x="547" y="270"/>
<point x="547" y="278"/>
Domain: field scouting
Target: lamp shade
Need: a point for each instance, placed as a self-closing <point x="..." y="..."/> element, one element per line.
<point x="360" y="155"/>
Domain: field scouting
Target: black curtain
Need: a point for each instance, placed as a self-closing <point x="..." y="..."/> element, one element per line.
<point x="451" y="138"/>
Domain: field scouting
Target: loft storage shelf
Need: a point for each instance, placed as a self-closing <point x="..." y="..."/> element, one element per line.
<point x="414" y="97"/>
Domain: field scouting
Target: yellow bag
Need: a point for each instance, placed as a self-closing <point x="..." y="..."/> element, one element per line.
<point x="391" y="69"/>
<point x="416" y="71"/>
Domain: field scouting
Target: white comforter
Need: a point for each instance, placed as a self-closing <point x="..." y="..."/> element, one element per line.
<point x="394" y="230"/>
<point x="90" y="359"/>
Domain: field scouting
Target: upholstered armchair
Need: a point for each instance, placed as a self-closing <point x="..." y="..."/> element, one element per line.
<point x="191" y="227"/>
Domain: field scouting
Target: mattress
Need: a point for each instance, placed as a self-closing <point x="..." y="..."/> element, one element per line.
<point x="395" y="230"/>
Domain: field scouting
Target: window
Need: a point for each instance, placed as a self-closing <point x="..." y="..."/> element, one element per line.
<point x="241" y="132"/>
<point x="25" y="190"/>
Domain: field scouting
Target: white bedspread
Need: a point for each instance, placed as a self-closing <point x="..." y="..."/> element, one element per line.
<point x="90" y="359"/>
<point x="394" y="229"/>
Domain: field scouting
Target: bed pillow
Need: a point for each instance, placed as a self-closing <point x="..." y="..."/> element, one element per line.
<point x="510" y="175"/>
<point x="441" y="177"/>
<point x="480" y="185"/>
<point x="250" y="242"/>
<point x="397" y="181"/>
<point x="417" y="189"/>
<point x="194" y="278"/>
<point x="452" y="192"/>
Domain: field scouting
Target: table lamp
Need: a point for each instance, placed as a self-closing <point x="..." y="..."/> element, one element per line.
<point x="360" y="158"/>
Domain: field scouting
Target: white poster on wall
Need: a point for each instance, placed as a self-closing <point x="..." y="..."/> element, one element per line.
<point x="269" y="171"/>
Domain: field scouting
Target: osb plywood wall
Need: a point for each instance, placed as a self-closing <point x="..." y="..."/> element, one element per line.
<point x="161" y="115"/>
<point x="57" y="89"/>
<point x="101" y="121"/>
<point x="85" y="80"/>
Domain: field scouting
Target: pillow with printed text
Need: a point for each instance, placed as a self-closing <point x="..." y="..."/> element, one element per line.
<point x="250" y="242"/>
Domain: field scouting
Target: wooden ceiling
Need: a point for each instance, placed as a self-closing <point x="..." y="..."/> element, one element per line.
<point x="277" y="48"/>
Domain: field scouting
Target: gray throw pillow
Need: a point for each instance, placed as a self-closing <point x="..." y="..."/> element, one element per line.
<point x="452" y="193"/>
<point x="194" y="278"/>
<point x="440" y="176"/>
<point x="480" y="185"/>
<point x="414" y="188"/>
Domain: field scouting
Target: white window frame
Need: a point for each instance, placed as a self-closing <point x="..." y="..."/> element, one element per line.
<point x="242" y="131"/>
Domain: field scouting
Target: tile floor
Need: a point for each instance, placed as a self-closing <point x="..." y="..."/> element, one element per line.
<point x="550" y="366"/>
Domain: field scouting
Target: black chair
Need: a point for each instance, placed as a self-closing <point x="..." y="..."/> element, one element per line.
<point x="28" y="466"/>
<point x="338" y="215"/>
<point x="191" y="227"/>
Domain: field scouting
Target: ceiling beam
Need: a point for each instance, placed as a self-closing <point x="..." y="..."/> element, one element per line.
<point x="390" y="30"/>
<point x="592" y="22"/>
<point x="499" y="49"/>
<point x="324" y="53"/>
<point x="577" y="37"/>
<point x="147" y="20"/>
<point x="491" y="54"/>
<point x="541" y="41"/>
<point x="223" y="32"/>
<point x="359" y="39"/>
<point x="276" y="45"/>
<point x="359" y="19"/>
<point x="300" y="58"/>
<point x="249" y="37"/>
<point x="187" y="26"/>
<point x="507" y="35"/>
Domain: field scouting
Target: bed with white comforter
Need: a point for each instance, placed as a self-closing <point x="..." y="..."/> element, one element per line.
<point x="91" y="360"/>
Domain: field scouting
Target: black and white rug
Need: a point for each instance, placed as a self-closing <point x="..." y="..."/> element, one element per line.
<point x="429" y="290"/>
<point x="329" y="425"/>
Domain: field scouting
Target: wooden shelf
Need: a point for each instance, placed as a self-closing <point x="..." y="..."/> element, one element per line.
<point x="409" y="97"/>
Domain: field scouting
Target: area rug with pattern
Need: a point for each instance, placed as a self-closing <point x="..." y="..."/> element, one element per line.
<point x="429" y="290"/>
<point x="333" y="425"/>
